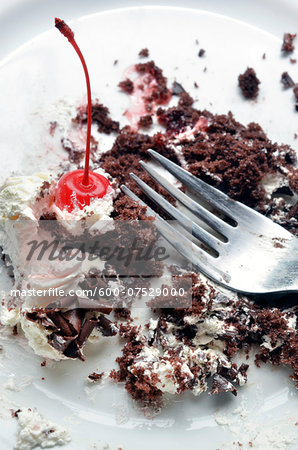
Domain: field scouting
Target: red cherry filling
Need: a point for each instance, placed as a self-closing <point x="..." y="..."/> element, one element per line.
<point x="71" y="192"/>
<point x="80" y="187"/>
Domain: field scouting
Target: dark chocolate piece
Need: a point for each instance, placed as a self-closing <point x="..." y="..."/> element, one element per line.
<point x="177" y="88"/>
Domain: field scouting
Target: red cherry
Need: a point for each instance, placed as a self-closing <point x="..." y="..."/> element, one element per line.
<point x="72" y="192"/>
<point x="79" y="187"/>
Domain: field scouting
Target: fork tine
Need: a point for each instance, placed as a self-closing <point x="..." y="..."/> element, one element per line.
<point x="212" y="220"/>
<point x="200" y="259"/>
<point x="212" y="195"/>
<point x="183" y="220"/>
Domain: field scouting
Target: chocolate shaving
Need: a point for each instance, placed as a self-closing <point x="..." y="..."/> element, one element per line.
<point x="60" y="343"/>
<point x="177" y="88"/>
<point x="287" y="80"/>
<point x="41" y="316"/>
<point x="86" y="330"/>
<point x="60" y="322"/>
<point x="106" y="326"/>
<point x="221" y="384"/>
<point x="74" y="318"/>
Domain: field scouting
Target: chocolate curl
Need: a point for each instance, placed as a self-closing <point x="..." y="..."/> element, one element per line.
<point x="60" y="322"/>
<point x="64" y="28"/>
<point x="60" y="343"/>
<point x="74" y="318"/>
<point x="86" y="330"/>
<point x="41" y="316"/>
<point x="74" y="351"/>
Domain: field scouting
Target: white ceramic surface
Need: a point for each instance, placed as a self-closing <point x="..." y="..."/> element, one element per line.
<point x="34" y="79"/>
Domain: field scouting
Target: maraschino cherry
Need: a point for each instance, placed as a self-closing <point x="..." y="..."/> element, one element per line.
<point x="79" y="187"/>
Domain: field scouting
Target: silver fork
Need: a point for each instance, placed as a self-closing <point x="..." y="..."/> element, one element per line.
<point x="256" y="256"/>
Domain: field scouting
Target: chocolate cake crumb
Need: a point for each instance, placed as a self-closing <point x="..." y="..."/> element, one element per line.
<point x="43" y="363"/>
<point x="126" y="86"/>
<point x="201" y="53"/>
<point x="100" y="116"/>
<point x="293" y="60"/>
<point x="144" y="53"/>
<point x="145" y="121"/>
<point x="249" y="83"/>
<point x="286" y="80"/>
<point x="196" y="85"/>
<point x="287" y="45"/>
<point x="94" y="377"/>
<point x="177" y="88"/>
<point x="264" y="56"/>
<point x="115" y="62"/>
<point x="160" y="93"/>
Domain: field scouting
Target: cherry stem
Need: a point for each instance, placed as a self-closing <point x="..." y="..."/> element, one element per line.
<point x="68" y="33"/>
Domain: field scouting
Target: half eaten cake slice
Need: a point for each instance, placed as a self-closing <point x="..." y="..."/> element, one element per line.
<point x="50" y="300"/>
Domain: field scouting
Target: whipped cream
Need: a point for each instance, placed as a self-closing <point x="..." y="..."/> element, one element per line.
<point x="22" y="203"/>
<point x="36" y="431"/>
<point x="18" y="196"/>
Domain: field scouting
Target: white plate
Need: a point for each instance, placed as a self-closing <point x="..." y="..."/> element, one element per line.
<point x="33" y="80"/>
